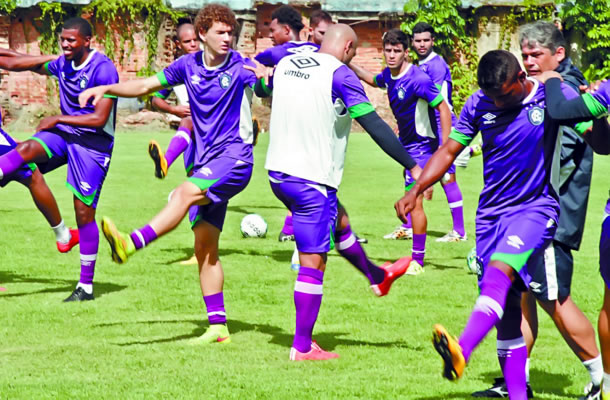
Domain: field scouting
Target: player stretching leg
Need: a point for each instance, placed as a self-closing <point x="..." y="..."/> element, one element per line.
<point x="410" y="93"/>
<point x="512" y="228"/>
<point x="82" y="138"/>
<point x="222" y="153"/>
<point x="29" y="175"/>
<point x="305" y="162"/>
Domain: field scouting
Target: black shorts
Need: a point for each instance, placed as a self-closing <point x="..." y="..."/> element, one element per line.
<point x="552" y="272"/>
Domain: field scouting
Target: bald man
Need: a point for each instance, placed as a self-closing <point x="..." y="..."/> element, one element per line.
<point x="305" y="161"/>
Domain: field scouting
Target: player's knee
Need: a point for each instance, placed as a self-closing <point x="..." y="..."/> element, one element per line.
<point x="31" y="150"/>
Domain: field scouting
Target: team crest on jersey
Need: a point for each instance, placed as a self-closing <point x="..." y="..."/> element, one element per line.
<point x="536" y="115"/>
<point x="401" y="93"/>
<point x="302" y="49"/>
<point x="82" y="83"/>
<point x="225" y="80"/>
<point x="302" y="62"/>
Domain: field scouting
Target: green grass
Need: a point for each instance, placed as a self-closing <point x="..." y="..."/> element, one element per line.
<point x="130" y="342"/>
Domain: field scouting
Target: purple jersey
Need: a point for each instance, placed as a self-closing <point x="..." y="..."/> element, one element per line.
<point x="412" y="94"/>
<point x="273" y="55"/>
<point x="220" y="104"/>
<point x="73" y="80"/>
<point x="520" y="151"/>
<point x="438" y="70"/>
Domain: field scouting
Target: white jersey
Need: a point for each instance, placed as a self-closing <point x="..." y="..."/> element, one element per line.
<point x="181" y="95"/>
<point x="308" y="131"/>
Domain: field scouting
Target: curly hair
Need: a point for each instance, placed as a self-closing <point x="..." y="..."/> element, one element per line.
<point x="288" y="15"/>
<point x="214" y="13"/>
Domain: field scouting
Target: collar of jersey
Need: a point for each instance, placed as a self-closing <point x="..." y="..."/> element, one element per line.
<point x="430" y="57"/>
<point x="403" y="73"/>
<point x="222" y="64"/>
<point x="533" y="92"/>
<point x="83" y="65"/>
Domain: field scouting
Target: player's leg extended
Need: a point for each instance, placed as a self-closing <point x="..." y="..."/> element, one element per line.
<point x="177" y="145"/>
<point x="455" y="200"/>
<point x="603" y="323"/>
<point x="30" y="151"/>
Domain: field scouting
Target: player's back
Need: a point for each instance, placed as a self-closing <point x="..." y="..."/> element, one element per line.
<point x="272" y="56"/>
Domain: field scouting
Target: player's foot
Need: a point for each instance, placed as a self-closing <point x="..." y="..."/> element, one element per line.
<point x="79" y="294"/>
<point x="415" y="268"/>
<point x="155" y="152"/>
<point x="190" y="261"/>
<point x="462" y="159"/>
<point x="452" y="236"/>
<point x="592" y="392"/>
<point x="476" y="150"/>
<point x="283" y="237"/>
<point x="472" y="261"/>
<point x="361" y="239"/>
<point x="121" y="244"/>
<point x="450" y="351"/>
<point x="315" y="354"/>
<point x="499" y="391"/>
<point x="392" y="272"/>
<point x="217" y="333"/>
<point x="256" y="128"/>
<point x="400" y="233"/>
<point x="66" y="247"/>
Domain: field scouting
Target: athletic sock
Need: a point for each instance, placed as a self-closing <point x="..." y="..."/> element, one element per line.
<point x="407" y="225"/>
<point x="10" y="162"/>
<point x="215" y="305"/>
<point x="89" y="244"/>
<point x="527" y="370"/>
<point x="62" y="233"/>
<point x="288" y="229"/>
<point x="143" y="236"/>
<point x="606" y="384"/>
<point x="88" y="288"/>
<point x="596" y="369"/>
<point x="307" y="301"/>
<point x="454" y="198"/>
<point x="179" y="142"/>
<point x="512" y="355"/>
<point x="419" y="248"/>
<point x="348" y="246"/>
<point x="488" y="309"/>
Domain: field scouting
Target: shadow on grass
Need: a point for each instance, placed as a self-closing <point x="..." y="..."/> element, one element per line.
<point x="541" y="381"/>
<point x="187" y="252"/>
<point x="241" y="210"/>
<point x="454" y="395"/>
<point x="329" y="340"/>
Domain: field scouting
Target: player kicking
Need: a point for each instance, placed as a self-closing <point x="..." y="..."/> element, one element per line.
<point x="413" y="96"/>
<point x="82" y="138"/>
<point x="435" y="66"/>
<point x="30" y="175"/>
<point x="517" y="214"/>
<point x="215" y="78"/>
<point x="305" y="162"/>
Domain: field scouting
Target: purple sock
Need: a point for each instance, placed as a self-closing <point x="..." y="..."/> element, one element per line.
<point x="215" y="304"/>
<point x="512" y="355"/>
<point x="347" y="245"/>
<point x="177" y="145"/>
<point x="419" y="248"/>
<point x="307" y="301"/>
<point x="408" y="223"/>
<point x="10" y="162"/>
<point x="454" y="198"/>
<point x="143" y="236"/>
<point x="287" y="229"/>
<point x="89" y="243"/>
<point x="488" y="309"/>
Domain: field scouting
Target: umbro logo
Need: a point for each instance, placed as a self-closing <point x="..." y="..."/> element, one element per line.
<point x="515" y="241"/>
<point x="195" y="79"/>
<point x="302" y="62"/>
<point x="489" y="119"/>
<point x="85" y="186"/>
<point x="302" y="49"/>
<point x="205" y="171"/>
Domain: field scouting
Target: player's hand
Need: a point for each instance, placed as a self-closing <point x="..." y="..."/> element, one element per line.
<point x="546" y="75"/>
<point x="260" y="70"/>
<point x="181" y="111"/>
<point x="593" y="87"/>
<point x="47" y="123"/>
<point x="97" y="93"/>
<point x="405" y="205"/>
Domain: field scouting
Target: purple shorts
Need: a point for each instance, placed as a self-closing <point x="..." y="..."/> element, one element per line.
<point x="604" y="249"/>
<point x="515" y="237"/>
<point x="313" y="207"/>
<point x="7" y="144"/>
<point x="421" y="157"/>
<point x="223" y="178"/>
<point x="88" y="161"/>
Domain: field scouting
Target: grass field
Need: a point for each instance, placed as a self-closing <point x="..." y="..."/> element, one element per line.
<point x="131" y="342"/>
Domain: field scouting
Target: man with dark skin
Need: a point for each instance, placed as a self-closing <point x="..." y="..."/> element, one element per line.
<point x="82" y="138"/>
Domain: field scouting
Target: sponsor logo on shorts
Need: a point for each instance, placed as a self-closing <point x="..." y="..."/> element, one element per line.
<point x="82" y="83"/>
<point x="225" y="80"/>
<point x="85" y="186"/>
<point x="515" y="241"/>
<point x="535" y="287"/>
<point x="401" y="93"/>
<point x="536" y="115"/>
<point x="205" y="171"/>
<point x="489" y="119"/>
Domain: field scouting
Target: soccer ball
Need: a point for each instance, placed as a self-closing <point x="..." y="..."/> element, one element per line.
<point x="253" y="225"/>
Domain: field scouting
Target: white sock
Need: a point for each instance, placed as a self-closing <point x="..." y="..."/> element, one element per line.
<point x="62" y="233"/>
<point x="527" y="370"/>
<point x="88" y="288"/>
<point x="606" y="387"/>
<point x="295" y="257"/>
<point x="596" y="369"/>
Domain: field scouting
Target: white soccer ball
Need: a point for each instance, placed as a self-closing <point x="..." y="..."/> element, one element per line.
<point x="253" y="225"/>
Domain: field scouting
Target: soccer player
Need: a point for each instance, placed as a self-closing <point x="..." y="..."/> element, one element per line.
<point x="435" y="66"/>
<point x="413" y="97"/>
<point x="215" y="79"/>
<point x="29" y="175"/>
<point x="543" y="48"/>
<point x="591" y="106"/>
<point x="319" y="21"/>
<point x="82" y="138"/>
<point x="305" y="161"/>
<point x="517" y="214"/>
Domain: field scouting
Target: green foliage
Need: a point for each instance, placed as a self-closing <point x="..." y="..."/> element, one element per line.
<point x="51" y="18"/>
<point x="127" y="17"/>
<point x="7" y="6"/>
<point x="590" y="19"/>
